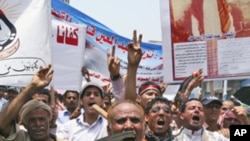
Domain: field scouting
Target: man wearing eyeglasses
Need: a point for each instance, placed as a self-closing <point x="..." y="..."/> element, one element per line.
<point x="158" y="117"/>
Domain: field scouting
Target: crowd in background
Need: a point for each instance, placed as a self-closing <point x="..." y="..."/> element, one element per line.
<point x="117" y="111"/>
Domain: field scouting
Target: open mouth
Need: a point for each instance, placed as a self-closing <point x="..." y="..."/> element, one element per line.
<point x="196" y="118"/>
<point x="91" y="103"/>
<point x="160" y="122"/>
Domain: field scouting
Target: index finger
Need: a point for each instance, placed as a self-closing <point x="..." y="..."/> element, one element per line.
<point x="134" y="36"/>
<point x="113" y="51"/>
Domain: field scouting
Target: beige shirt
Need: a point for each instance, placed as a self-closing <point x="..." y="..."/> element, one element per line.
<point x="20" y="135"/>
<point x="185" y="134"/>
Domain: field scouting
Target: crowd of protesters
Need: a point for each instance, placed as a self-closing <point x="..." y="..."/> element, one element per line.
<point x="33" y="113"/>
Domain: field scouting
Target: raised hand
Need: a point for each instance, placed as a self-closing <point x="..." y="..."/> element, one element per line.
<point x="76" y="113"/>
<point x="188" y="85"/>
<point x="43" y="77"/>
<point x="113" y="62"/>
<point x="85" y="74"/>
<point x="134" y="50"/>
<point x="197" y="79"/>
<point x="134" y="58"/>
<point x="241" y="114"/>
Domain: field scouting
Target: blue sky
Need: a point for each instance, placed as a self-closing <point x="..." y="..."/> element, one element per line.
<point x="122" y="16"/>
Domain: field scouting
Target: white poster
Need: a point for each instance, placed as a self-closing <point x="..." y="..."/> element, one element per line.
<point x="25" y="39"/>
<point x="68" y="49"/>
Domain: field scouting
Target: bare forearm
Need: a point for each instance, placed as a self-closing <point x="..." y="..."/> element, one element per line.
<point x="130" y="87"/>
<point x="11" y="111"/>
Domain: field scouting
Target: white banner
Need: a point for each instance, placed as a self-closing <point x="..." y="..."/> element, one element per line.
<point x="25" y="39"/>
<point x="68" y="49"/>
<point x="100" y="38"/>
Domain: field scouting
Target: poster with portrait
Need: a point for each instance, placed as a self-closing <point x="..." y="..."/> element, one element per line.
<point x="210" y="34"/>
<point x="25" y="39"/>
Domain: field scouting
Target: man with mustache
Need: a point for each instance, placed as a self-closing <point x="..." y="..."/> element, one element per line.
<point x="125" y="116"/>
<point x="70" y="101"/>
<point x="158" y="117"/>
<point x="35" y="114"/>
<point x="192" y="116"/>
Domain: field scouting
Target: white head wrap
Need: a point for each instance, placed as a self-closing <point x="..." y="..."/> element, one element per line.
<point x="34" y="104"/>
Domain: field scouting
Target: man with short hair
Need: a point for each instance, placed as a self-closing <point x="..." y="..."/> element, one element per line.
<point x="192" y="116"/>
<point x="124" y="116"/>
<point x="89" y="125"/>
<point x="12" y="93"/>
<point x="43" y="95"/>
<point x="70" y="101"/>
<point x="158" y="117"/>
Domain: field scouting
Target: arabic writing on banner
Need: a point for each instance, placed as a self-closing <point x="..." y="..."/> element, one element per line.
<point x="99" y="38"/>
<point x="210" y="34"/>
<point x="24" y="43"/>
<point x="68" y="41"/>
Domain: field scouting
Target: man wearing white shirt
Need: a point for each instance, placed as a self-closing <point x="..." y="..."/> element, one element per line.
<point x="192" y="116"/>
<point x="89" y="125"/>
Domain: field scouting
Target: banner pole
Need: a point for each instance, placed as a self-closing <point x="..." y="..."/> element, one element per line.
<point x="224" y="95"/>
<point x="211" y="83"/>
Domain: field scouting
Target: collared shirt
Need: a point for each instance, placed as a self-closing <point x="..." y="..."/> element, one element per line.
<point x="192" y="136"/>
<point x="185" y="134"/>
<point x="78" y="130"/>
<point x="3" y="104"/>
<point x="63" y="116"/>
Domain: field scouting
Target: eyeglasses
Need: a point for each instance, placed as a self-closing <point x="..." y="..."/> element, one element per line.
<point x="158" y="108"/>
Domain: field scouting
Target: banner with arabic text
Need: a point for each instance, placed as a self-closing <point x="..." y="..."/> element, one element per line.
<point x="68" y="44"/>
<point x="211" y="34"/>
<point x="99" y="38"/>
<point x="25" y="39"/>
